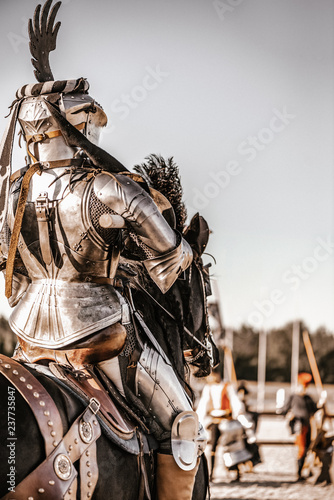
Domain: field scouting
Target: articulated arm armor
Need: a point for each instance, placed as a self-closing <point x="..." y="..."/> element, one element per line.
<point x="169" y="253"/>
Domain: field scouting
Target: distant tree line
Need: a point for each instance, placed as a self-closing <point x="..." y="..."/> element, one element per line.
<point x="245" y="351"/>
<point x="279" y="347"/>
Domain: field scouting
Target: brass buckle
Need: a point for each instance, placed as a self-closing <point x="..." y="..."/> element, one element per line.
<point x="39" y="137"/>
<point x="94" y="405"/>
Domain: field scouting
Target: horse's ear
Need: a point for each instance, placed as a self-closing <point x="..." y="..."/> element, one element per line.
<point x="197" y="234"/>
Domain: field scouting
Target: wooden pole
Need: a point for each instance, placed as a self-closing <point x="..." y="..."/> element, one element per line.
<point x="229" y="366"/>
<point x="228" y="348"/>
<point x="219" y="317"/>
<point x="312" y="361"/>
<point x="295" y="356"/>
<point x="261" y="370"/>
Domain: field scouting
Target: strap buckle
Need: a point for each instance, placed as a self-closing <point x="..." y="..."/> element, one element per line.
<point x="42" y="206"/>
<point x="94" y="405"/>
<point x="39" y="137"/>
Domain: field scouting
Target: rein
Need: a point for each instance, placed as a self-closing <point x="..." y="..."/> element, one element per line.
<point x="188" y="332"/>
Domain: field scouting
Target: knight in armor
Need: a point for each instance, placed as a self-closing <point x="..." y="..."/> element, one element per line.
<point x="62" y="221"/>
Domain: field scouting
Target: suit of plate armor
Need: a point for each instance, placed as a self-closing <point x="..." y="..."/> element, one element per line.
<point x="70" y="244"/>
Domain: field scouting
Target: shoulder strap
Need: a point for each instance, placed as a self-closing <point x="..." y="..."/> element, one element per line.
<point x="40" y="402"/>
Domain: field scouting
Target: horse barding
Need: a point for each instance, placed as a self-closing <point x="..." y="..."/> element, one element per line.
<point x="68" y="434"/>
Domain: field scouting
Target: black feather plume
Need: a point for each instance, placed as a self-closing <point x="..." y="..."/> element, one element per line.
<point x="163" y="175"/>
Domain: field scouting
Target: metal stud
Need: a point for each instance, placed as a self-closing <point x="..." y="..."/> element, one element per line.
<point x="36" y="395"/>
<point x="15" y="372"/>
<point x="41" y="490"/>
<point x="89" y="474"/>
<point x="29" y="386"/>
<point x="70" y="447"/>
<point x="42" y="403"/>
<point x="76" y="441"/>
<point x="53" y="433"/>
<point x="87" y="453"/>
<point x="7" y="366"/>
<point x="22" y="379"/>
<point x="89" y="484"/>
<point x="51" y="482"/>
<point x="89" y="494"/>
<point x="55" y="444"/>
<point x="50" y="423"/>
<point x="46" y="413"/>
<point x="30" y="498"/>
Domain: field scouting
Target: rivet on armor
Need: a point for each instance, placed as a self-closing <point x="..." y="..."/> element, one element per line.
<point x="53" y="433"/>
<point x="88" y="463"/>
<point x="89" y="474"/>
<point x="30" y="498"/>
<point x="89" y="494"/>
<point x="70" y="447"/>
<point x="41" y="490"/>
<point x="7" y="366"/>
<point x="89" y="484"/>
<point x="87" y="453"/>
<point x="50" y="423"/>
<point x="46" y="413"/>
<point x="42" y="403"/>
<point x="94" y="422"/>
<point x="15" y="372"/>
<point x="55" y="444"/>
<point x="76" y="441"/>
<point x="29" y="386"/>
<point x="36" y="395"/>
<point x="51" y="482"/>
<point x="22" y="379"/>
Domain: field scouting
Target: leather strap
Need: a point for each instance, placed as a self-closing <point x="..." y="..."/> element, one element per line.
<point x="38" y="399"/>
<point x="53" y="478"/>
<point x="70" y="162"/>
<point x="89" y="471"/>
<point x="34" y="139"/>
<point x="21" y="205"/>
<point x="43" y="482"/>
<point x="50" y="135"/>
<point x="93" y="389"/>
<point x="42" y="215"/>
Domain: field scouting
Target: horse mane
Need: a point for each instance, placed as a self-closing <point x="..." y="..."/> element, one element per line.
<point x="163" y="175"/>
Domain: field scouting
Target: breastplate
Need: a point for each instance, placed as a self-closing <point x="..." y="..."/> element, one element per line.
<point x="66" y="253"/>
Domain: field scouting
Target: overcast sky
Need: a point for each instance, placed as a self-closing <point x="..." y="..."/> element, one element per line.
<point x="240" y="92"/>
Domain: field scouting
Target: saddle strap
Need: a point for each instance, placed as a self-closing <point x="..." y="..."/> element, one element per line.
<point x="38" y="399"/>
<point x="55" y="478"/>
